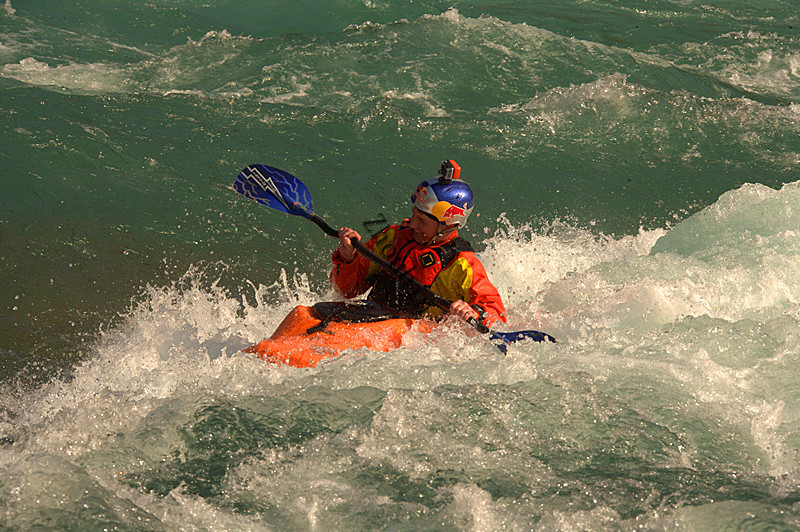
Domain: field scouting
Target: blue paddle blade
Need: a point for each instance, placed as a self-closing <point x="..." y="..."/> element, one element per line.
<point x="276" y="189"/>
<point x="502" y="339"/>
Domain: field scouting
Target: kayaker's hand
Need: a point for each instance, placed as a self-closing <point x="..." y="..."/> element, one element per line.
<point x="463" y="310"/>
<point x="346" y="250"/>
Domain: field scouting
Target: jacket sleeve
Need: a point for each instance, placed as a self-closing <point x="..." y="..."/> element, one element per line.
<point x="466" y="279"/>
<point x="350" y="278"/>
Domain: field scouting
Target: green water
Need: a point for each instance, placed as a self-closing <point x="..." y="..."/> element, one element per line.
<point x="635" y="167"/>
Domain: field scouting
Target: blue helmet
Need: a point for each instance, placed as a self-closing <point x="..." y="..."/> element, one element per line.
<point x="445" y="198"/>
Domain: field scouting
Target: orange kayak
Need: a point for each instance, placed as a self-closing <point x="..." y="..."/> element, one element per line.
<point x="306" y="336"/>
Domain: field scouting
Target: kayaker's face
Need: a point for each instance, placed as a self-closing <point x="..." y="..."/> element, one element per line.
<point x="425" y="228"/>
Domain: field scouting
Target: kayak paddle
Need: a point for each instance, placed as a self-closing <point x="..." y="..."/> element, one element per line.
<point x="284" y="192"/>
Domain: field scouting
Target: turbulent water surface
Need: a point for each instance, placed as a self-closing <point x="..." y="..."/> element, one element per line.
<point x="638" y="197"/>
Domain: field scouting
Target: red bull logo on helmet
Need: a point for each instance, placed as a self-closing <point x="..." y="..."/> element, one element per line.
<point x="421" y="195"/>
<point x="453" y="211"/>
<point x="445" y="211"/>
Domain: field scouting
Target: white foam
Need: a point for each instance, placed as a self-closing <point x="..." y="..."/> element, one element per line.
<point x="81" y="78"/>
<point x="663" y="340"/>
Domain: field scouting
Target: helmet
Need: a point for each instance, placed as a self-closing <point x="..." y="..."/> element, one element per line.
<point x="445" y="198"/>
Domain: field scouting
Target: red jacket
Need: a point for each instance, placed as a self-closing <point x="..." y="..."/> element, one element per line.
<point x="461" y="277"/>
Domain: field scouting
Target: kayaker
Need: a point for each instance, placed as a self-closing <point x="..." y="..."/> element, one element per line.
<point x="428" y="248"/>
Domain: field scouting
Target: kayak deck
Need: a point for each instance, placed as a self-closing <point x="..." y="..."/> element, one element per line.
<point x="292" y="343"/>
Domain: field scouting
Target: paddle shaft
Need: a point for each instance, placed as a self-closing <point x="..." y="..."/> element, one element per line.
<point x="431" y="296"/>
